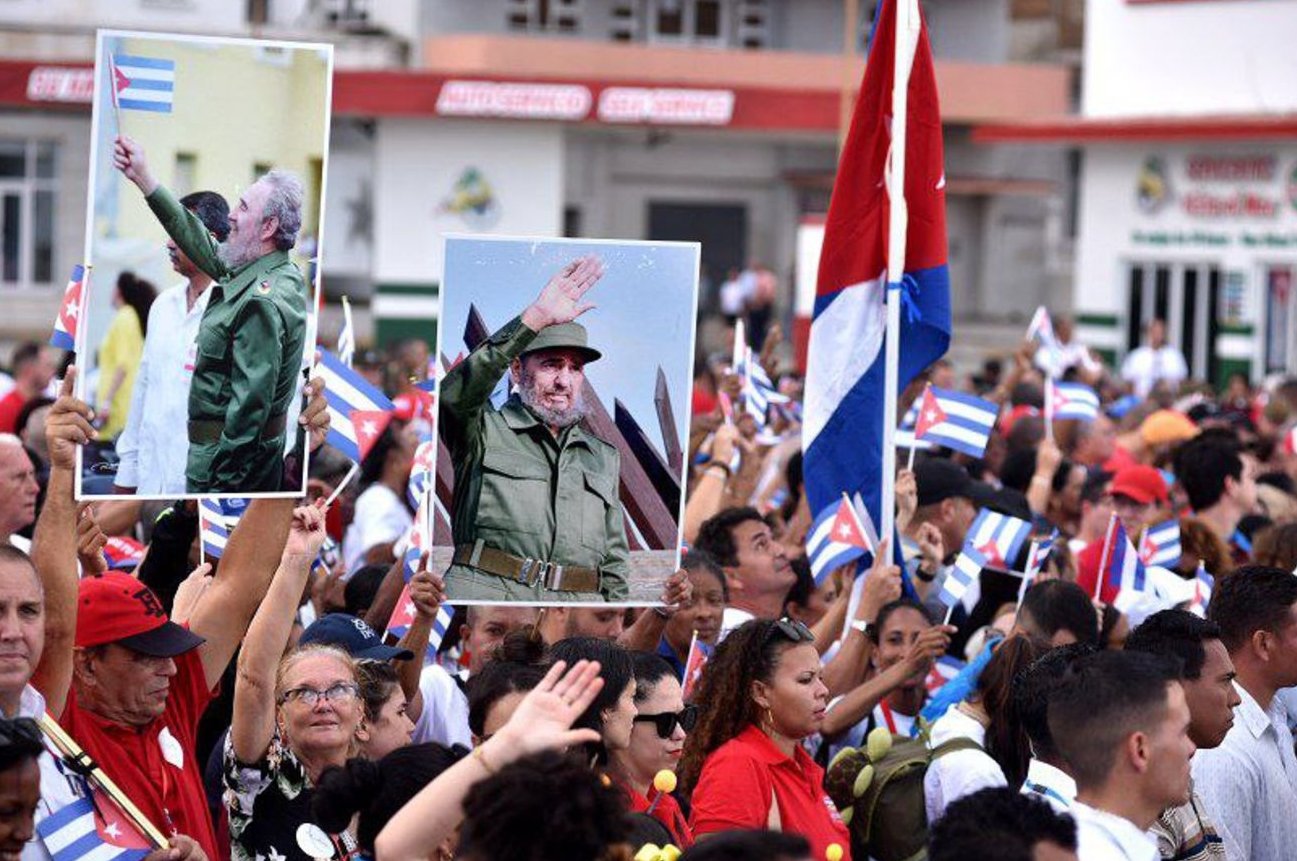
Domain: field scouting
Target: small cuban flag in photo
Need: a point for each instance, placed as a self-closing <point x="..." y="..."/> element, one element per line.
<point x="143" y="83"/>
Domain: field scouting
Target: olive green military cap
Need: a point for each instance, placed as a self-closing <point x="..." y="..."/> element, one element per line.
<point x="564" y="336"/>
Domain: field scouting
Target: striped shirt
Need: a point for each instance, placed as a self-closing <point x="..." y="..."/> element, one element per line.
<point x="1185" y="833"/>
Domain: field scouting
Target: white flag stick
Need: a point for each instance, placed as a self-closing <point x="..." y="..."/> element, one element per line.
<point x="346" y="324"/>
<point x="1028" y="577"/>
<point x="907" y="38"/>
<point x="337" y="491"/>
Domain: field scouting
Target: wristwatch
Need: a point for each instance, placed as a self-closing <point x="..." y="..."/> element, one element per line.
<point x="866" y="628"/>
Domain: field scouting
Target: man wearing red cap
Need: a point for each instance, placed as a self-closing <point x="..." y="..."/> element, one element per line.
<point x="1140" y="499"/>
<point x="126" y="683"/>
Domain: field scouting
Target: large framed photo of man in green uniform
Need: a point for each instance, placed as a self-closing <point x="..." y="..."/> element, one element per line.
<point x="562" y="416"/>
<point x="205" y="212"/>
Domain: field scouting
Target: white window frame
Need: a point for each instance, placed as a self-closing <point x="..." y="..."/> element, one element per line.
<point x="531" y="8"/>
<point x="689" y="25"/>
<point x="26" y="187"/>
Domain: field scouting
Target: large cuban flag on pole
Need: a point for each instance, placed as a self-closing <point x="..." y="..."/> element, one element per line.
<point x="883" y="280"/>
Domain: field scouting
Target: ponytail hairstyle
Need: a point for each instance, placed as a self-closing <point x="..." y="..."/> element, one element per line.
<point x="377" y="790"/>
<point x="516" y="666"/>
<point x="1006" y="737"/>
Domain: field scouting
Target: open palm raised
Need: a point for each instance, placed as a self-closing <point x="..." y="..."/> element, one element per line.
<point x="562" y="299"/>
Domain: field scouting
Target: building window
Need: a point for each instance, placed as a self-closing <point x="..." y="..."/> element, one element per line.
<point x="28" y="199"/>
<point x="185" y="177"/>
<point x="544" y="16"/>
<point x="698" y="22"/>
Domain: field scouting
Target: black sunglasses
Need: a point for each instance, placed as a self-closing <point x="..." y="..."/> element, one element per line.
<point x="792" y="630"/>
<point x="665" y="722"/>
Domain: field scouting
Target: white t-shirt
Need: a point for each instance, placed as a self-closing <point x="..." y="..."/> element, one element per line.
<point x="381" y="518"/>
<point x="962" y="772"/>
<point x="445" y="710"/>
<point x="1144" y="367"/>
<point x="1103" y="836"/>
<point x="57" y="789"/>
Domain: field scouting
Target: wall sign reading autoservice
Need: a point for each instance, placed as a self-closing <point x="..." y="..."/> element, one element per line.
<point x="1211" y="185"/>
<point x="576" y="102"/>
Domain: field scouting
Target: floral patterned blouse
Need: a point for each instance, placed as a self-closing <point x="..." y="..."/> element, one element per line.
<point x="269" y="805"/>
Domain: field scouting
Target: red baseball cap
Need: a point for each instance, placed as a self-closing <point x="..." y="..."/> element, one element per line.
<point x="1144" y="484"/>
<point x="117" y="608"/>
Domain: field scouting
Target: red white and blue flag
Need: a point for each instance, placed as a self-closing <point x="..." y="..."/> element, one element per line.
<point x="92" y="830"/>
<point x="216" y="520"/>
<point x="846" y="364"/>
<point x="123" y="553"/>
<point x="1161" y="544"/>
<point x="1039" y="555"/>
<point x="699" y="654"/>
<point x="834" y="540"/>
<point x="997" y="537"/>
<point x="1203" y="584"/>
<point x="143" y="83"/>
<point x="1122" y="568"/>
<point x="418" y="542"/>
<point x="358" y="412"/>
<point x="422" y="472"/>
<point x="1042" y="328"/>
<point x="963" y="574"/>
<point x="64" y="336"/>
<point x="943" y="670"/>
<point x="1075" y="401"/>
<point x="958" y="421"/>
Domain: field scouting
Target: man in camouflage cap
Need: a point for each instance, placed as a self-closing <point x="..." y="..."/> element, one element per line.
<point x="535" y="514"/>
<point x="251" y="338"/>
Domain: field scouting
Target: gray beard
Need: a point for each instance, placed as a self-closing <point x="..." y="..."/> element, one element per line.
<point x="554" y="418"/>
<point x="237" y="252"/>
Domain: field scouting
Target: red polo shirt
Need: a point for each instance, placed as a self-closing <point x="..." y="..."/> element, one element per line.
<point x="155" y="765"/>
<point x="739" y="779"/>
<point x="667" y="811"/>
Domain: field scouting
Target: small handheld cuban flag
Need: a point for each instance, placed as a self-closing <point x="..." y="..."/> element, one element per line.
<point x="64" y="336"/>
<point x="1161" y="545"/>
<point x="905" y="437"/>
<point x="422" y="472"/>
<point x="1075" y="401"/>
<point x="327" y="558"/>
<point x="997" y="538"/>
<point x="1122" y="568"/>
<point x="699" y="654"/>
<point x="1203" y="583"/>
<point x="964" y="573"/>
<point x="943" y="670"/>
<point x="358" y="412"/>
<point x="216" y="520"/>
<point x="835" y="539"/>
<point x="958" y="421"/>
<point x="91" y="829"/>
<point x="1039" y="555"/>
<point x="143" y="83"/>
<point x="418" y="542"/>
<point x="123" y="553"/>
<point x="1042" y="329"/>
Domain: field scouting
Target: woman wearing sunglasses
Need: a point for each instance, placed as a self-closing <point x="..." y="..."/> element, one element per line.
<point x="293" y="718"/>
<point x="657" y="740"/>
<point x="744" y="764"/>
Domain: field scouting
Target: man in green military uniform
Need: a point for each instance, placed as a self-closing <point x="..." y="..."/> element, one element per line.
<point x="535" y="514"/>
<point x="250" y="341"/>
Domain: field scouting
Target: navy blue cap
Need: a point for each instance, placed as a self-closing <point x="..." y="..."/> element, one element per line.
<point x="353" y="635"/>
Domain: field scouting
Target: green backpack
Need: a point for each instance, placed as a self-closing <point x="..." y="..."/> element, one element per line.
<point x="879" y="792"/>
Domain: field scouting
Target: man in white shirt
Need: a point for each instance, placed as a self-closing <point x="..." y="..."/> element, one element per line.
<point x="1047" y="776"/>
<point x="1249" y="782"/>
<point x="1057" y="359"/>
<point x="1121" y="721"/>
<point x="1155" y="362"/>
<point x="153" y="448"/>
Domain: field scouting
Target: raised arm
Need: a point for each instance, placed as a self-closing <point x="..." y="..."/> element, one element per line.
<point x="883" y="584"/>
<point x="55" y="541"/>
<point x="860" y="700"/>
<point x="180" y="224"/>
<point x="427" y="593"/>
<point x="253" y="724"/>
<point x="541" y="722"/>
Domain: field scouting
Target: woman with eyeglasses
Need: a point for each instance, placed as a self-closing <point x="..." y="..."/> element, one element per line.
<point x="293" y="718"/>
<point x="657" y="740"/>
<point x="744" y="765"/>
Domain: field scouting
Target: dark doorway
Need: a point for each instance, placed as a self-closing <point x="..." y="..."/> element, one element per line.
<point x="722" y="230"/>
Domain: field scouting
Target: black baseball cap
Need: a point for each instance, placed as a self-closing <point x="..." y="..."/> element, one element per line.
<point x="939" y="479"/>
<point x="354" y="636"/>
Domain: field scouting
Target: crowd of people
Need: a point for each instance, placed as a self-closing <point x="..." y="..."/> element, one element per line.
<point x="256" y="707"/>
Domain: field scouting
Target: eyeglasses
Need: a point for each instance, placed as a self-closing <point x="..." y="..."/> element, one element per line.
<point x="791" y="629"/>
<point x="310" y="696"/>
<point x="665" y="722"/>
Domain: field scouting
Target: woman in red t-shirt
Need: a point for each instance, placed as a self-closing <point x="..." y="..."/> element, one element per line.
<point x="661" y="724"/>
<point x="744" y="766"/>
